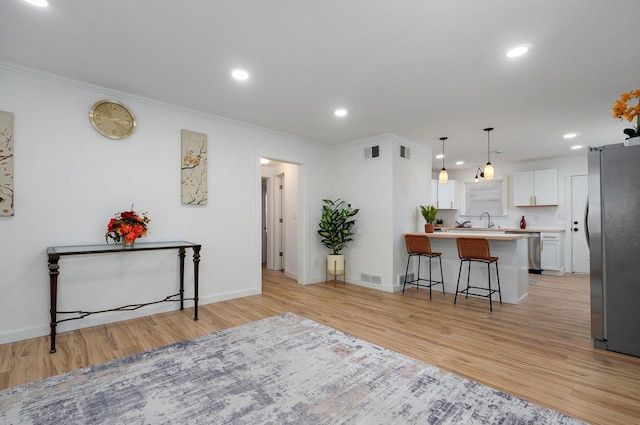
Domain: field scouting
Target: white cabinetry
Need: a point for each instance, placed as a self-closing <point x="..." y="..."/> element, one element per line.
<point x="535" y="188"/>
<point x="434" y="192"/>
<point x="445" y="196"/>
<point x="552" y="253"/>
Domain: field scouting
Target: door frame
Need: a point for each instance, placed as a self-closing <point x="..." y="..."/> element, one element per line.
<point x="301" y="222"/>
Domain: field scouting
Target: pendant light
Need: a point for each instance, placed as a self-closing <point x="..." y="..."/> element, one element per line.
<point x="488" y="169"/>
<point x="444" y="176"/>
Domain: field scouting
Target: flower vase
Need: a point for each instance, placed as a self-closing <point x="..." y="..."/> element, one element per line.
<point x="126" y="244"/>
<point x="631" y="132"/>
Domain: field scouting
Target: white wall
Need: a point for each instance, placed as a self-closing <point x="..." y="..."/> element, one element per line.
<point x="69" y="181"/>
<point x="412" y="188"/>
<point x="388" y="191"/>
<point x="367" y="185"/>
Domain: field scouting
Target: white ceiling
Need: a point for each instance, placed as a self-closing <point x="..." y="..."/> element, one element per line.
<point x="421" y="69"/>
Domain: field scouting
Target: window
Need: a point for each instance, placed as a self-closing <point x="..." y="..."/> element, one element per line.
<point x="487" y="195"/>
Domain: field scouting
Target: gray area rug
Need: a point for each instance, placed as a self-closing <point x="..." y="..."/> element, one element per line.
<point x="285" y="369"/>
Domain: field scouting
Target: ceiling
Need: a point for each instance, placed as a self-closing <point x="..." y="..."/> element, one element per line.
<point x="421" y="69"/>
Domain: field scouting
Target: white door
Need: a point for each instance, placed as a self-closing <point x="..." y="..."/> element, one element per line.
<point x="279" y="213"/>
<point x="265" y="217"/>
<point x="579" y="248"/>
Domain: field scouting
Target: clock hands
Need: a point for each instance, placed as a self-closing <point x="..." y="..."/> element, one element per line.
<point x="119" y="121"/>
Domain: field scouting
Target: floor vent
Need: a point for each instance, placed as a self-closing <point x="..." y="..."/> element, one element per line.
<point x="372" y="152"/>
<point x="405" y="152"/>
<point x="367" y="278"/>
<point x="410" y="278"/>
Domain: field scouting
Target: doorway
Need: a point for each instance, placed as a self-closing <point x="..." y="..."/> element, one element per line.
<point x="279" y="199"/>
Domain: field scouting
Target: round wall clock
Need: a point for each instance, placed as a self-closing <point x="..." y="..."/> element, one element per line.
<point x="112" y="119"/>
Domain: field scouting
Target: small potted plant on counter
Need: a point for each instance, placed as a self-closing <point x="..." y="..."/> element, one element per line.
<point x="429" y="213"/>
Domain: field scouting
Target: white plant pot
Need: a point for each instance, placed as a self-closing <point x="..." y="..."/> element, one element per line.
<point x="335" y="264"/>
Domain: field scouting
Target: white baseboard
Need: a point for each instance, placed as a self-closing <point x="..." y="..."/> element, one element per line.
<point x="117" y="316"/>
<point x="553" y="272"/>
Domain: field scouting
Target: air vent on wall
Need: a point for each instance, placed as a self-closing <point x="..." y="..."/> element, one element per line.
<point x="367" y="278"/>
<point x="372" y="152"/>
<point x="410" y="278"/>
<point x="405" y="152"/>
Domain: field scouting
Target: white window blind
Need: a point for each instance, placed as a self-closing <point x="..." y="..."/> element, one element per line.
<point x="484" y="196"/>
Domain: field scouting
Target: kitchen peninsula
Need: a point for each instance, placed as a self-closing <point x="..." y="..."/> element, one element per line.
<point x="512" y="250"/>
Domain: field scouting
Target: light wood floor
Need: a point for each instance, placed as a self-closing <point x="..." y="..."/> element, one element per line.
<point x="539" y="350"/>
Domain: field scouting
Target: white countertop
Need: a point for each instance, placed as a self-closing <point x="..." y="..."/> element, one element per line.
<point x="501" y="229"/>
<point x="492" y="236"/>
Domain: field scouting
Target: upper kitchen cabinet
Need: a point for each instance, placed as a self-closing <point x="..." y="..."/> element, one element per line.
<point x="446" y="194"/>
<point x="434" y="192"/>
<point x="535" y="188"/>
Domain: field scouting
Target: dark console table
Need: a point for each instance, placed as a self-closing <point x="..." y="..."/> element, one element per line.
<point x="55" y="252"/>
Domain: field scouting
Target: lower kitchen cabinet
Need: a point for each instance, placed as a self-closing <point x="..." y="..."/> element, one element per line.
<point x="552" y="253"/>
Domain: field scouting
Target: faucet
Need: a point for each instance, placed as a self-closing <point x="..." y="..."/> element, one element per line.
<point x="489" y="224"/>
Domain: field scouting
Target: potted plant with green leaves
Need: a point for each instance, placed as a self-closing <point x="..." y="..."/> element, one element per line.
<point x="335" y="229"/>
<point x="430" y="214"/>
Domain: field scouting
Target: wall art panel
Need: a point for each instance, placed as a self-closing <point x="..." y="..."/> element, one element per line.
<point x="6" y="163"/>
<point x="194" y="168"/>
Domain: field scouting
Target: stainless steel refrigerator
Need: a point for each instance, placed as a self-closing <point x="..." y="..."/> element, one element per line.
<point x="613" y="233"/>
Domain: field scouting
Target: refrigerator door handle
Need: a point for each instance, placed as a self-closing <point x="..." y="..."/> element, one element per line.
<point x="586" y="222"/>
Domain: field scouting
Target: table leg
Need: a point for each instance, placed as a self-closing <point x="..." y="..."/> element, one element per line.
<point x="196" y="262"/>
<point x="181" y="254"/>
<point x="53" y="293"/>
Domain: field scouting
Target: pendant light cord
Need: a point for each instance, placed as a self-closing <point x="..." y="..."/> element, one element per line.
<point x="488" y="129"/>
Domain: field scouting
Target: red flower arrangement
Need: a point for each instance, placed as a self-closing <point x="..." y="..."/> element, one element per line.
<point x="128" y="226"/>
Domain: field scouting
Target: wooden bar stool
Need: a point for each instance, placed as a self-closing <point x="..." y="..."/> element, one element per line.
<point x="419" y="246"/>
<point x="476" y="250"/>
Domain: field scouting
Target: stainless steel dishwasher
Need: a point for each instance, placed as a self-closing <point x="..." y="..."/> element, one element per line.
<point x="534" y="249"/>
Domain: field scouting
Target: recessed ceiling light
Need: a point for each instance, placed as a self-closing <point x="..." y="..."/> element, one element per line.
<point x="569" y="135"/>
<point x="576" y="147"/>
<point x="264" y="161"/>
<point x="517" y="51"/>
<point x="240" y="74"/>
<point x="439" y="156"/>
<point x="459" y="162"/>
<point x="39" y="3"/>
<point x="340" y="112"/>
